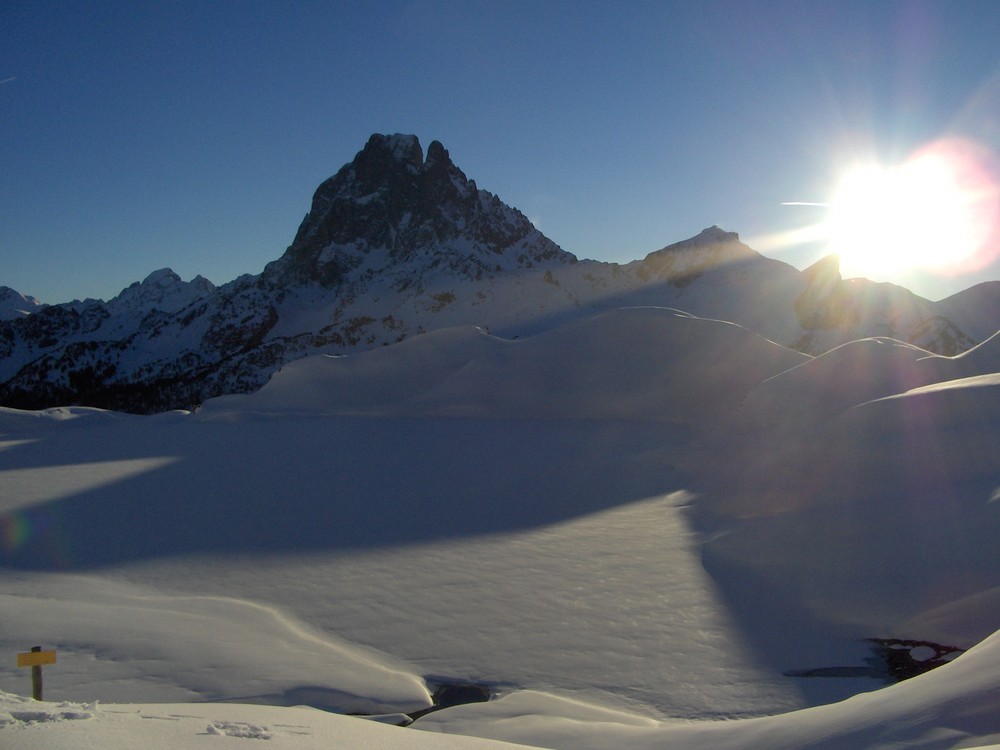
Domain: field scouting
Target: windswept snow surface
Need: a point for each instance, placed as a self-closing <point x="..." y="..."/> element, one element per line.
<point x="31" y="725"/>
<point x="628" y="522"/>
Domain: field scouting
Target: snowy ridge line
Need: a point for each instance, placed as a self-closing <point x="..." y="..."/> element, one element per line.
<point x="396" y="245"/>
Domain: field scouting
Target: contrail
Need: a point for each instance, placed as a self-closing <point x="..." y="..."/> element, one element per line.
<point x="8" y="80"/>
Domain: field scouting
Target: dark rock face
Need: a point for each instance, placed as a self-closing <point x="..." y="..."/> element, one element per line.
<point x="390" y="199"/>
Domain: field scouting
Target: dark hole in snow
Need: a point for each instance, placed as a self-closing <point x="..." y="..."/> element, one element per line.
<point x="892" y="660"/>
<point x="904" y="659"/>
<point x="448" y="694"/>
<point x="456" y="695"/>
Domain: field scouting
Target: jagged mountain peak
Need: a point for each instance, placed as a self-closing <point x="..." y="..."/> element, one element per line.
<point x="390" y="207"/>
<point x="402" y="148"/>
<point x="382" y="156"/>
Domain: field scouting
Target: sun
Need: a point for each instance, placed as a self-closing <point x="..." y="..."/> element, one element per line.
<point x="935" y="211"/>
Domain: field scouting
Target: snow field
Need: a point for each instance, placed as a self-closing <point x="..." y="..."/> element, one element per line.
<point x="615" y="552"/>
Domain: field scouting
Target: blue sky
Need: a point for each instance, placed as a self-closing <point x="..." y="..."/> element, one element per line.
<point x="191" y="135"/>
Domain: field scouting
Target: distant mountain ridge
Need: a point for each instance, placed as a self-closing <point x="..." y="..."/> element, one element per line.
<point x="395" y="245"/>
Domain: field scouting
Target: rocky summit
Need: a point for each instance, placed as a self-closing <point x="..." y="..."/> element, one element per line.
<point x="390" y="209"/>
<point x="396" y="244"/>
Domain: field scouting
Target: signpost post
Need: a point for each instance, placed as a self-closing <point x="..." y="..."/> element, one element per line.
<point x="35" y="659"/>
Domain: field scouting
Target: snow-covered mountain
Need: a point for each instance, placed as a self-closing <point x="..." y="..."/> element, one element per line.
<point x="395" y="245"/>
<point x="162" y="291"/>
<point x="16" y="305"/>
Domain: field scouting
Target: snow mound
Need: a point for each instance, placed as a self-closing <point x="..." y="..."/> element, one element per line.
<point x="864" y="492"/>
<point x="848" y="375"/>
<point x="363" y="382"/>
<point x="629" y="364"/>
<point x="214" y="646"/>
<point x="951" y="707"/>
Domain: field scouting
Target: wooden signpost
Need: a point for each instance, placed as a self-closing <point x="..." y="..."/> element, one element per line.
<point x="35" y="659"/>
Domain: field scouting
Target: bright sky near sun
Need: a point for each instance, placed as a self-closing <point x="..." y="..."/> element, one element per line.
<point x="191" y="135"/>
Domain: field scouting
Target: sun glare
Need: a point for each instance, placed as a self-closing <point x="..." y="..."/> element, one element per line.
<point x="936" y="211"/>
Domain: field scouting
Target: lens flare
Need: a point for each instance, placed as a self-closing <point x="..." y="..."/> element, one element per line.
<point x="15" y="530"/>
<point x="938" y="210"/>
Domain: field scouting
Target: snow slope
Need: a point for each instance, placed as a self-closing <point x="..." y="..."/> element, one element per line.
<point x="645" y="364"/>
<point x="13" y="304"/>
<point x="628" y="528"/>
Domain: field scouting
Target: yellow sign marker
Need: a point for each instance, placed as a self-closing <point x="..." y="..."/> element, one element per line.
<point x="36" y="658"/>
